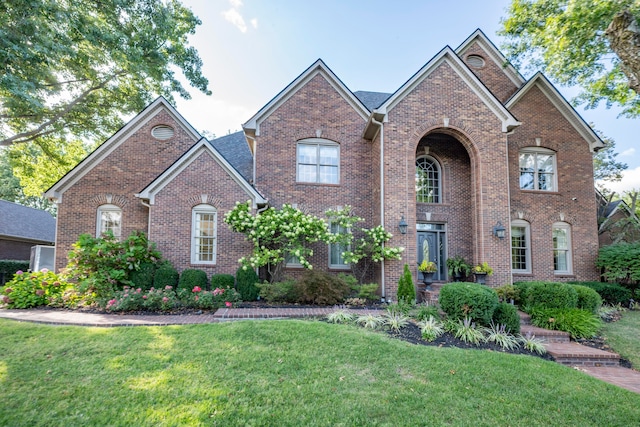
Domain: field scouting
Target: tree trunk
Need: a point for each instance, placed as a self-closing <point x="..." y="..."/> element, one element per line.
<point x="624" y="37"/>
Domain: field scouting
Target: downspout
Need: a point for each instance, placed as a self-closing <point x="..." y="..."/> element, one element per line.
<point x="373" y="120"/>
<point x="255" y="147"/>
<point x="148" y="218"/>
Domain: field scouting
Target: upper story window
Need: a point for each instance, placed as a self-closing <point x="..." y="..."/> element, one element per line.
<point x="318" y="161"/>
<point x="109" y="219"/>
<point x="562" y="248"/>
<point x="537" y="169"/>
<point x="203" y="234"/>
<point x="428" y="182"/>
<point x="520" y="246"/>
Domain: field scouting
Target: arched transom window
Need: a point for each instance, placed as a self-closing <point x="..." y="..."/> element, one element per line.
<point x="428" y="180"/>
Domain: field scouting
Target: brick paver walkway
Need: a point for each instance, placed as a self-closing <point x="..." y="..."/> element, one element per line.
<point x="617" y="375"/>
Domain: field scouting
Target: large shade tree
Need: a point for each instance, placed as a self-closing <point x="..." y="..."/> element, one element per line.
<point x="591" y="43"/>
<point x="73" y="70"/>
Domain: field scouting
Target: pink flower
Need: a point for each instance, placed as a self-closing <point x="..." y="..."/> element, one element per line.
<point x="138" y="290"/>
<point x="168" y="287"/>
<point x="228" y="304"/>
<point x="45" y="283"/>
<point x="40" y="292"/>
<point x="111" y="302"/>
<point x="197" y="289"/>
<point x="165" y="299"/>
<point x="56" y="283"/>
<point x="197" y="297"/>
<point x="8" y="291"/>
<point x="19" y="272"/>
<point x="144" y="297"/>
<point x="218" y="291"/>
<point x="44" y="270"/>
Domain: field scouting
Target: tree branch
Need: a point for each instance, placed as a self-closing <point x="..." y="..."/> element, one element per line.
<point x="624" y="37"/>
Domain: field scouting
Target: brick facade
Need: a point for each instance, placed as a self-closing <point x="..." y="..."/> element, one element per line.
<point x="471" y="119"/>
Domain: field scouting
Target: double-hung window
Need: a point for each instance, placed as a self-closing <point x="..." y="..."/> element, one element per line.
<point x="336" y="250"/>
<point x="203" y="234"/>
<point x="520" y="247"/>
<point x="109" y="220"/>
<point x="561" y="248"/>
<point x="537" y="169"/>
<point x="318" y="161"/>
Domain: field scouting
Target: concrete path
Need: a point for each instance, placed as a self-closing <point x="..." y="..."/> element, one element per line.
<point x="616" y="375"/>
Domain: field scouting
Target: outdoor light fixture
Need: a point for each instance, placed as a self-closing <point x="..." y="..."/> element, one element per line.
<point x="402" y="225"/>
<point x="499" y="231"/>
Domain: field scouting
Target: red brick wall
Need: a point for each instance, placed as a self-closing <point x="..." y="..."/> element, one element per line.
<point x="171" y="215"/>
<point x="491" y="74"/>
<point x="124" y="172"/>
<point x="575" y="181"/>
<point x="11" y="249"/>
<point x="316" y="106"/>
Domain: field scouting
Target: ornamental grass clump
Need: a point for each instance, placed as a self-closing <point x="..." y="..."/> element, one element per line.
<point x="467" y="331"/>
<point x="340" y="316"/>
<point x="395" y="320"/>
<point x="431" y="328"/>
<point x="370" y="321"/>
<point x="530" y="343"/>
<point x="499" y="334"/>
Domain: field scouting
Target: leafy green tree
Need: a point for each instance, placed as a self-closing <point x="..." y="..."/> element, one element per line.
<point x="76" y="68"/>
<point x="11" y="190"/>
<point x="590" y="43"/>
<point x="605" y="165"/>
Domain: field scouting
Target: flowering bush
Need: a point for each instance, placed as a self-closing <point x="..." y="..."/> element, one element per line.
<point x="207" y="300"/>
<point x="28" y="289"/>
<point x="130" y="299"/>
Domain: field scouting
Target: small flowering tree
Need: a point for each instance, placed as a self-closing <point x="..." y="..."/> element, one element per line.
<point x="277" y="234"/>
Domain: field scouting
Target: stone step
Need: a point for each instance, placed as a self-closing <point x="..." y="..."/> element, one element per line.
<point x="546" y="335"/>
<point x="574" y="354"/>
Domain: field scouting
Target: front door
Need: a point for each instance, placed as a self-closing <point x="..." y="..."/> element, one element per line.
<point x="431" y="246"/>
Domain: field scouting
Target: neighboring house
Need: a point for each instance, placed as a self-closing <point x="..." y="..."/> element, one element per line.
<point x="616" y="222"/>
<point x="464" y="151"/>
<point x="21" y="228"/>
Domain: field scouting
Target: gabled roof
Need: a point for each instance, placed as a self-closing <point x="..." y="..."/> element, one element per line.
<point x="567" y="111"/>
<point x="371" y="100"/>
<point x="493" y="52"/>
<point x="201" y="147"/>
<point x="447" y="55"/>
<point x="19" y="222"/>
<point x="75" y="174"/>
<point x="234" y="148"/>
<point x="252" y="126"/>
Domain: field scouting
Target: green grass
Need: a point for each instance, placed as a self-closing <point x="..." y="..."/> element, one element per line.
<point x="283" y="373"/>
<point x="624" y="336"/>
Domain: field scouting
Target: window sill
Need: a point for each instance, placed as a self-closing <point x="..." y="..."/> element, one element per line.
<point x="318" y="184"/>
<point x="205" y="264"/>
<point x="554" y="193"/>
<point x="565" y="275"/>
<point x="339" y="268"/>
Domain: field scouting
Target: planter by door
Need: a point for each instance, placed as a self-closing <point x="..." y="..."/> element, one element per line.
<point x="427" y="279"/>
<point x="481" y="278"/>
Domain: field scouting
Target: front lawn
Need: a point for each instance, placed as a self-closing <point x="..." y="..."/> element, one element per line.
<point x="624" y="336"/>
<point x="283" y="373"/>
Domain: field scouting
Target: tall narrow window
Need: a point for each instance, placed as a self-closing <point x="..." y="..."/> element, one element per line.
<point x="561" y="248"/>
<point x="318" y="161"/>
<point x="203" y="234"/>
<point x="537" y="169"/>
<point x="336" y="260"/>
<point x="109" y="220"/>
<point x="520" y="247"/>
<point x="428" y="185"/>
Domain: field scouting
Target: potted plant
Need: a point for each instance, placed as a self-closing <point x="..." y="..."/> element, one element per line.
<point x="458" y="267"/>
<point x="428" y="269"/>
<point x="481" y="271"/>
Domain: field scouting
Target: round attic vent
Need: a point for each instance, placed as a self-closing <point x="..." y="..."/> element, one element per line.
<point x="475" y="61"/>
<point x="162" y="132"/>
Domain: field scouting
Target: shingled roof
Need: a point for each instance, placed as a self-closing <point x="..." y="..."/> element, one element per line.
<point x="371" y="100"/>
<point x="234" y="148"/>
<point x="19" y="222"/>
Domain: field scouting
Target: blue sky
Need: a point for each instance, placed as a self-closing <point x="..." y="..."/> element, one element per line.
<point x="251" y="49"/>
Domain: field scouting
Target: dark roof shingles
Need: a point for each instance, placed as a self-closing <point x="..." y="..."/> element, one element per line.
<point x="19" y="221"/>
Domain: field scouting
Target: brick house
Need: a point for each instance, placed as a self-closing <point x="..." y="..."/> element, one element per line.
<point x="464" y="149"/>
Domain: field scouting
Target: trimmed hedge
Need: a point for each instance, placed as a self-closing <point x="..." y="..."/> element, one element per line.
<point x="611" y="293"/>
<point x="521" y="291"/>
<point x="588" y="299"/>
<point x="143" y="277"/>
<point x="190" y="278"/>
<point x="246" y="279"/>
<point x="317" y="287"/>
<point x="223" y="281"/>
<point x="549" y="295"/>
<point x="464" y="299"/>
<point x="165" y="275"/>
<point x="507" y="314"/>
<point x="9" y="267"/>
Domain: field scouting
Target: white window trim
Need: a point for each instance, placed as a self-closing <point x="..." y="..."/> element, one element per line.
<point x="194" y="247"/>
<point x="527" y="237"/>
<point x="338" y="266"/>
<point x="316" y="142"/>
<point x="546" y="152"/>
<point x="107" y="208"/>
<point x="292" y="264"/>
<point x="567" y="227"/>
<point x="439" y="170"/>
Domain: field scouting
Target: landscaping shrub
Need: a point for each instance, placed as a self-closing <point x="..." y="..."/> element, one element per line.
<point x="207" y="300"/>
<point x="317" y="287"/>
<point x="9" y="267"/>
<point x="611" y="293"/>
<point x="460" y="300"/>
<point x="246" y="279"/>
<point x="190" y="278"/>
<point x="506" y="293"/>
<point x="588" y="299"/>
<point x="143" y="278"/>
<point x="165" y="276"/>
<point x="406" y="289"/>
<point x="507" y="314"/>
<point x="28" y="290"/>
<point x="368" y="291"/>
<point x="223" y="281"/>
<point x="522" y="288"/>
<point x="620" y="263"/>
<point x="284" y="291"/>
<point x="577" y="322"/>
<point x="550" y="295"/>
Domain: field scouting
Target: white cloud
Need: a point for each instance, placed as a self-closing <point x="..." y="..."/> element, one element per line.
<point x="236" y="3"/>
<point x="630" y="180"/>
<point x="628" y="152"/>
<point x="234" y="17"/>
<point x="254" y="24"/>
